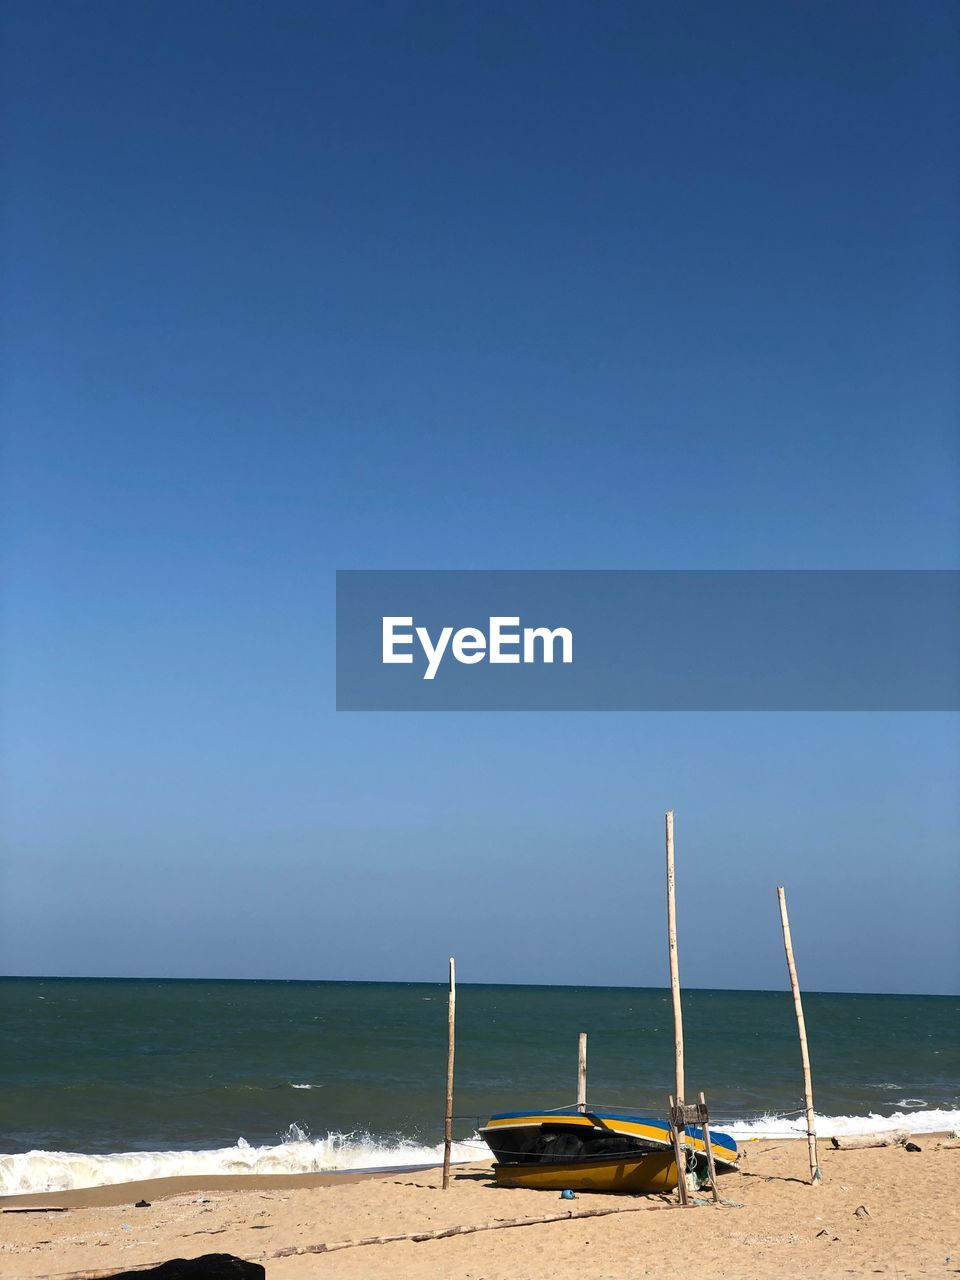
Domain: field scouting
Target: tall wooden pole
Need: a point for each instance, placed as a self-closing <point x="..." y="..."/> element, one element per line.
<point x="674" y="966"/>
<point x="451" y="1038"/>
<point x="815" y="1174"/>
<point x="582" y="1072"/>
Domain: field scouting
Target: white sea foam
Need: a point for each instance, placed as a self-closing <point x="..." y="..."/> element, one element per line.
<point x="39" y="1171"/>
<point x="298" y="1153"/>
<point x="773" y="1126"/>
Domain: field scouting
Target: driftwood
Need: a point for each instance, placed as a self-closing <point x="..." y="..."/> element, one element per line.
<point x="897" y="1138"/>
<point x="414" y="1236"/>
<point x="443" y="1232"/>
<point x="36" y="1208"/>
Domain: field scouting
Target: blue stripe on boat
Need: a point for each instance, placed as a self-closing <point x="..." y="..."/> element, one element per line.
<point x="632" y="1117"/>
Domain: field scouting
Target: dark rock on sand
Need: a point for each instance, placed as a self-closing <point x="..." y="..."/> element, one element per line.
<point x="212" y="1266"/>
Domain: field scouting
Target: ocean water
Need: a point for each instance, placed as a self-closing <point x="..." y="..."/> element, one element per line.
<point x="110" y="1080"/>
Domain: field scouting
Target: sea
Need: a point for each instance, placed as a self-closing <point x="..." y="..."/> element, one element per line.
<point x="113" y="1080"/>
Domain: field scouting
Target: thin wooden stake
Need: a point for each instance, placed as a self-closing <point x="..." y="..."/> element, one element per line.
<point x="679" y="1156"/>
<point x="674" y="963"/>
<point x="711" y="1167"/>
<point x="582" y="1072"/>
<point x="451" y="1038"/>
<point x="815" y="1174"/>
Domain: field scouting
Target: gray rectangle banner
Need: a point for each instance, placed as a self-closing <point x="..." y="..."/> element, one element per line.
<point x="648" y="640"/>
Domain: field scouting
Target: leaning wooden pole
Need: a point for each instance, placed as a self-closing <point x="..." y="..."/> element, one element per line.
<point x="815" y="1174"/>
<point x="679" y="1151"/>
<point x="582" y="1072"/>
<point x="451" y="1039"/>
<point x="674" y="965"/>
<point x="708" y="1148"/>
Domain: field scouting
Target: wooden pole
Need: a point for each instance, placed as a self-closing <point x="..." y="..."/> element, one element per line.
<point x="451" y="1038"/>
<point x="815" y="1174"/>
<point x="674" y="965"/>
<point x="582" y="1072"/>
<point x="708" y="1147"/>
<point x="679" y="1156"/>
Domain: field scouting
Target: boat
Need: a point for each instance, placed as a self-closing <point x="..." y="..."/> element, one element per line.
<point x="594" y="1150"/>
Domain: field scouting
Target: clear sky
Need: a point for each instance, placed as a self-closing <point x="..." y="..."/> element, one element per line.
<point x="296" y="287"/>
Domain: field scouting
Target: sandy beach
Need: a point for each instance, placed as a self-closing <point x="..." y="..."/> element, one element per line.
<point x="774" y="1225"/>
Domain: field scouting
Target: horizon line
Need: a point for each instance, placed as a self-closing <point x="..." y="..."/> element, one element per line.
<point x="422" y="982"/>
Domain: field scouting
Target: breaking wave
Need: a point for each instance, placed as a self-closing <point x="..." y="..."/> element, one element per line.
<point x="774" y="1126"/>
<point x="39" y="1171"/>
<point x="298" y="1152"/>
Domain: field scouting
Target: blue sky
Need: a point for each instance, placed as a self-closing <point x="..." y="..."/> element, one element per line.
<point x="301" y="287"/>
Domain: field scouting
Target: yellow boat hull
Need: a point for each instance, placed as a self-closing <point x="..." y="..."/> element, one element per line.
<point x="645" y="1171"/>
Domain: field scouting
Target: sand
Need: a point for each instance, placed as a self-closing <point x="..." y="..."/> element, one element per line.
<point x="784" y="1228"/>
